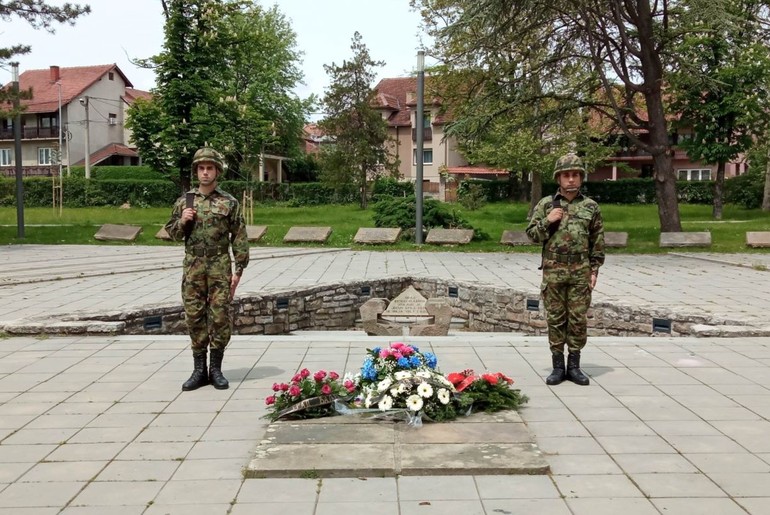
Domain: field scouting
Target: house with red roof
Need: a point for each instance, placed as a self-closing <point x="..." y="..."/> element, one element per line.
<point x="66" y="102"/>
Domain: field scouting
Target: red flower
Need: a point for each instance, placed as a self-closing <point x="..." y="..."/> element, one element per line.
<point x="455" y="378"/>
<point x="270" y="400"/>
<point x="326" y="389"/>
<point x="333" y="375"/>
<point x="283" y="387"/>
<point x="304" y="373"/>
<point x="490" y="378"/>
<point x="319" y="376"/>
<point x="294" y="390"/>
<point x="505" y="378"/>
<point x="276" y="387"/>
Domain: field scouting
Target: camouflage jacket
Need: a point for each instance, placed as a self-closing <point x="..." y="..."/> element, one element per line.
<point x="580" y="235"/>
<point x="219" y="223"/>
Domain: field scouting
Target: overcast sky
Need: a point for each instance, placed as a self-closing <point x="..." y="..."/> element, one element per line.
<point x="118" y="31"/>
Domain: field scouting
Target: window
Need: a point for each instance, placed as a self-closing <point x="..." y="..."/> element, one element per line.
<point x="427" y="156"/>
<point x="426" y="120"/>
<point x="697" y="174"/>
<point x="44" y="156"/>
<point x="111" y="75"/>
<point x="47" y="121"/>
<point x="113" y="118"/>
<point x="6" y="157"/>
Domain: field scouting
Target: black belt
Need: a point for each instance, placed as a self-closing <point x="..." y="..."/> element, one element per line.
<point x="566" y="258"/>
<point x="207" y="251"/>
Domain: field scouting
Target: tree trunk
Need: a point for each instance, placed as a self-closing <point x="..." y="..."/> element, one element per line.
<point x="362" y="189"/>
<point x="665" y="191"/>
<point x="537" y="192"/>
<point x="766" y="195"/>
<point x="719" y="187"/>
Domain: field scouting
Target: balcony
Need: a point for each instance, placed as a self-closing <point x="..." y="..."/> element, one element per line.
<point x="32" y="133"/>
<point x="427" y="134"/>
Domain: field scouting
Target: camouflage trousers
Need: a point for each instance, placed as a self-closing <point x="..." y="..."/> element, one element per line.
<point x="566" y="294"/>
<point x="206" y="298"/>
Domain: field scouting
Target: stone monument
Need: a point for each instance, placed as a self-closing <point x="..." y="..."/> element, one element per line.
<point x="409" y="314"/>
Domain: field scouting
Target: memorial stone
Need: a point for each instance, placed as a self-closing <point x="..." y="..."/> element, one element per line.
<point x="255" y="233"/>
<point x="307" y="235"/>
<point x="615" y="239"/>
<point x="114" y="232"/>
<point x="515" y="238"/>
<point x="685" y="239"/>
<point x="441" y="236"/>
<point x="759" y="239"/>
<point x="375" y="235"/>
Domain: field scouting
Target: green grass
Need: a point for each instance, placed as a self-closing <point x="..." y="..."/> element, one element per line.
<point x="78" y="226"/>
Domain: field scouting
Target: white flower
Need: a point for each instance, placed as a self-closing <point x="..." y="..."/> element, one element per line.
<point x="425" y="390"/>
<point x="402" y="374"/>
<point x="425" y="374"/>
<point x="394" y="391"/>
<point x="384" y="384"/>
<point x="403" y="387"/>
<point x="386" y="403"/>
<point x="368" y="401"/>
<point x="414" y="402"/>
<point x="443" y="396"/>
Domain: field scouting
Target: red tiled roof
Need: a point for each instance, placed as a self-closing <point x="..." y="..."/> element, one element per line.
<point x="74" y="80"/>
<point x="113" y="149"/>
<point x="475" y="170"/>
<point x="312" y="131"/>
<point x="133" y="94"/>
<point x="398" y="95"/>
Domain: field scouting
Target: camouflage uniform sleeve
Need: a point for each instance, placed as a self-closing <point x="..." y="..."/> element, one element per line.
<point x="537" y="230"/>
<point x="596" y="241"/>
<point x="174" y="226"/>
<point x="239" y="239"/>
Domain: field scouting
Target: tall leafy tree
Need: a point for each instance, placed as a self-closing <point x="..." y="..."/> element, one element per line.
<point x="628" y="46"/>
<point x="40" y="15"/>
<point x="722" y="88"/>
<point x="359" y="152"/>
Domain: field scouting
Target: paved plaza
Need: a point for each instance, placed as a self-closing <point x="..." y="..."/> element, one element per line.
<point x="99" y="425"/>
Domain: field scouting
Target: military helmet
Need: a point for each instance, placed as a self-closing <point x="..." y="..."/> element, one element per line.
<point x="568" y="162"/>
<point x="208" y="154"/>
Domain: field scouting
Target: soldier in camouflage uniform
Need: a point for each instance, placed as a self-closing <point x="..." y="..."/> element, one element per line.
<point x="209" y="230"/>
<point x="569" y="226"/>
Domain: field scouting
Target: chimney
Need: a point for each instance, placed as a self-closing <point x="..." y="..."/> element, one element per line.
<point x="55" y="76"/>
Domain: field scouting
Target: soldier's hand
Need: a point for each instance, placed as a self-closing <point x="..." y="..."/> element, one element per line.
<point x="593" y="281"/>
<point x="555" y="215"/>
<point x="188" y="215"/>
<point x="233" y="285"/>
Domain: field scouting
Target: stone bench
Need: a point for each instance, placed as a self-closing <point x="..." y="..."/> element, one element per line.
<point x="515" y="238"/>
<point x="441" y="236"/>
<point x="377" y="235"/>
<point x="255" y="233"/>
<point x="113" y="232"/>
<point x="616" y="239"/>
<point x="307" y="235"/>
<point x="685" y="239"/>
<point x="759" y="239"/>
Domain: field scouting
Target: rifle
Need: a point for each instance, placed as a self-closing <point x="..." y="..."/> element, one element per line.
<point x="190" y="224"/>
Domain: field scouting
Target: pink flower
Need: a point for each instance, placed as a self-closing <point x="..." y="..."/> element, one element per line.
<point x="384" y="353"/>
<point x="319" y="376"/>
<point x="304" y="373"/>
<point x="397" y="345"/>
<point x="326" y="389"/>
<point x="397" y="355"/>
<point x="349" y="385"/>
<point x="276" y="387"/>
<point x="294" y="390"/>
<point x="407" y="351"/>
<point x="333" y="375"/>
<point x="283" y="387"/>
<point x="296" y="379"/>
<point x="270" y="400"/>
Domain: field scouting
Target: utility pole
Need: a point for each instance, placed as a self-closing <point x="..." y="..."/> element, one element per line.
<point x="420" y="133"/>
<point x="17" y="152"/>
<point x="84" y="103"/>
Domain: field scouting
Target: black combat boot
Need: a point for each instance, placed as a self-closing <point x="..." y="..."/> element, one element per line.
<point x="215" y="370"/>
<point x="574" y="373"/>
<point x="199" y="376"/>
<point x="559" y="374"/>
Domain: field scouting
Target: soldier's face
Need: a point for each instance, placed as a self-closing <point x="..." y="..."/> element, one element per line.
<point x="207" y="173"/>
<point x="570" y="180"/>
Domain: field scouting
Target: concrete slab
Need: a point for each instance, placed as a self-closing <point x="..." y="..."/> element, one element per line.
<point x="441" y="236"/>
<point x="377" y="235"/>
<point x="115" y="232"/>
<point x="163" y="234"/>
<point x="758" y="239"/>
<point x="615" y="239"/>
<point x="515" y="238"/>
<point x="480" y="444"/>
<point x="254" y="233"/>
<point x="685" y="239"/>
<point x="307" y="235"/>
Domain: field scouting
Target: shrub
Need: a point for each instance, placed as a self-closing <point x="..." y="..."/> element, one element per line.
<point x="472" y="197"/>
<point x="402" y="211"/>
<point x="391" y="188"/>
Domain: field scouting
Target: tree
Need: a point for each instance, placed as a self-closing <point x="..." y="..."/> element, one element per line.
<point x="627" y="45"/>
<point x="358" y="154"/>
<point x="225" y="77"/>
<point x="39" y="15"/>
<point x="722" y="88"/>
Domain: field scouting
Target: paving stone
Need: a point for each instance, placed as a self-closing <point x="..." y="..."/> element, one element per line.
<point x="377" y="235"/>
<point x="307" y="235"/>
<point x="254" y="233"/>
<point x="441" y="236"/>
<point x="115" y="232"/>
<point x="685" y="239"/>
<point x="515" y="238"/>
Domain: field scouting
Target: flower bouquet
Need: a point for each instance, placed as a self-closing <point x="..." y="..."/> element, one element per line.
<point x="402" y="380"/>
<point x="488" y="392"/>
<point x="307" y="395"/>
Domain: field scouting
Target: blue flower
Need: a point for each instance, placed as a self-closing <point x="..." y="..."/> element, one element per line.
<point x="430" y="359"/>
<point x="414" y="361"/>
<point x="403" y="362"/>
<point x="376" y="351"/>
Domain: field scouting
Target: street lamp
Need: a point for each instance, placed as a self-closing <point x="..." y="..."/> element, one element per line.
<point x="420" y="132"/>
<point x="17" y="152"/>
<point x="84" y="103"/>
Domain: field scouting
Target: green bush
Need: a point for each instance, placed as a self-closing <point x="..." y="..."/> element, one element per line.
<point x="745" y="190"/>
<point x="79" y="192"/>
<point x="492" y="191"/>
<point x="472" y="197"/>
<point x="388" y="187"/>
<point x="137" y="173"/>
<point x="402" y="211"/>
